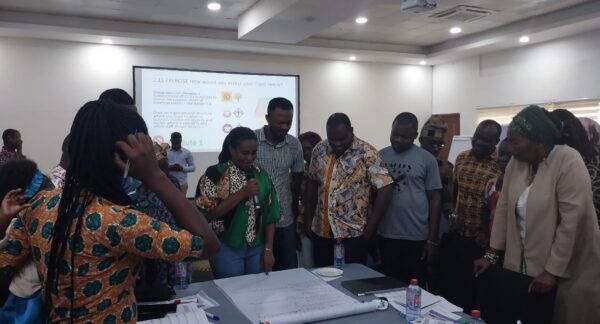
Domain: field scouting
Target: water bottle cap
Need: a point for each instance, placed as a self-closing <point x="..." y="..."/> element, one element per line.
<point x="475" y="313"/>
<point x="414" y="281"/>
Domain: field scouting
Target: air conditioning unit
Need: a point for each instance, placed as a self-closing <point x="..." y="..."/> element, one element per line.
<point x="418" y="6"/>
<point x="463" y="14"/>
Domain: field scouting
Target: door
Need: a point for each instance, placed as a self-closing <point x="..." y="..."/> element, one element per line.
<point x="453" y="122"/>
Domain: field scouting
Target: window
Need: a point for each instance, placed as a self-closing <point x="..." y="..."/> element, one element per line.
<point x="504" y="115"/>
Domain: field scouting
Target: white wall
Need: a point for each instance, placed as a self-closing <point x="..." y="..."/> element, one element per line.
<point x="44" y="83"/>
<point x="561" y="70"/>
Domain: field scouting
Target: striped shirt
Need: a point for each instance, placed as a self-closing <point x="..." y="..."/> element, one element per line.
<point x="280" y="160"/>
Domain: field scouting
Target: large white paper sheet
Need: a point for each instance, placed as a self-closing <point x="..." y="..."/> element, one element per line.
<point x="290" y="296"/>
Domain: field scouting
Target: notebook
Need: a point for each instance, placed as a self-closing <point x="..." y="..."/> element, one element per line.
<point x="361" y="287"/>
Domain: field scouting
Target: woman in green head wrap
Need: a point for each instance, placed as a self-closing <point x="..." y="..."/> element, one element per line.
<point x="545" y="221"/>
<point x="532" y="134"/>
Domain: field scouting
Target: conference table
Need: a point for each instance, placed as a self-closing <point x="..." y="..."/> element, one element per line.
<point x="229" y="313"/>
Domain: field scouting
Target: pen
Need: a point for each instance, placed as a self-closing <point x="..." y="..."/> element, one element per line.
<point x="212" y="316"/>
<point x="126" y="171"/>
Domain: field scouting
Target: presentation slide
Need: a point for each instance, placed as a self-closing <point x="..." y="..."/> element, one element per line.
<point x="204" y="106"/>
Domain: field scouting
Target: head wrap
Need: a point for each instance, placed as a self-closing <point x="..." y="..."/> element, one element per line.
<point x="35" y="184"/>
<point x="435" y="127"/>
<point x="536" y="123"/>
<point x="160" y="150"/>
<point x="592" y="128"/>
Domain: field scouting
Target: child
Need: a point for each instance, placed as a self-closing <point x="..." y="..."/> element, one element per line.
<point x="24" y="304"/>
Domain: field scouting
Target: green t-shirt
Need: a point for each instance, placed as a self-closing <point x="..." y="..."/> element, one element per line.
<point x="233" y="179"/>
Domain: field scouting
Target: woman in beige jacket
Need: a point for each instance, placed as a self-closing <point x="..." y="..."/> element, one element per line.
<point x="545" y="220"/>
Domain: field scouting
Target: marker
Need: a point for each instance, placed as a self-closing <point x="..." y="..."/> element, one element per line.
<point x="212" y="316"/>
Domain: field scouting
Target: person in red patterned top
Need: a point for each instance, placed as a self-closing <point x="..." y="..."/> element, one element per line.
<point x="492" y="194"/>
<point x="13" y="146"/>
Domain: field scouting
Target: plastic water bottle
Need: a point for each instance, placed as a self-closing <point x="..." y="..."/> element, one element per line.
<point x="183" y="275"/>
<point x="338" y="254"/>
<point x="413" y="301"/>
<point x="476" y="317"/>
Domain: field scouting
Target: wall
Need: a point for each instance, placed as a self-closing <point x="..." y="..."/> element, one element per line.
<point x="561" y="70"/>
<point x="44" y="83"/>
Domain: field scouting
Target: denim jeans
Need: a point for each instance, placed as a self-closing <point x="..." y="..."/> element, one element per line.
<point x="284" y="248"/>
<point x="231" y="262"/>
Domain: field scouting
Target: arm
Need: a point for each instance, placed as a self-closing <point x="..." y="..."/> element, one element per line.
<point x="12" y="204"/>
<point x="310" y="199"/>
<point x="140" y="152"/>
<point x="233" y="200"/>
<point x="381" y="180"/>
<point x="296" y="185"/>
<point x="384" y="195"/>
<point x="16" y="251"/>
<point x="573" y="192"/>
<point x="435" y="210"/>
<point x="268" y="257"/>
<point x="189" y="163"/>
<point x="297" y="177"/>
<point x="137" y="233"/>
<point x="271" y="215"/>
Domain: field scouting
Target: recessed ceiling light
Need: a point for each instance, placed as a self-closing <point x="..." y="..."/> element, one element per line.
<point x="214" y="6"/>
<point x="524" y="39"/>
<point x="352" y="58"/>
<point x="423" y="62"/>
<point x="455" y="30"/>
<point x="361" y="20"/>
<point x="107" y="41"/>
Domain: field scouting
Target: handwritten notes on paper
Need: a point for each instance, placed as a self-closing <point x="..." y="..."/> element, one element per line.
<point x="290" y="296"/>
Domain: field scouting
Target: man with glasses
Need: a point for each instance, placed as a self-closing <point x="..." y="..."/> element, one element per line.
<point x="432" y="139"/>
<point x="474" y="168"/>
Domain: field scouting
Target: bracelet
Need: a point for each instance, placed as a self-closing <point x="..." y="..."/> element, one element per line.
<point x="267" y="249"/>
<point x="491" y="257"/>
<point x="432" y="243"/>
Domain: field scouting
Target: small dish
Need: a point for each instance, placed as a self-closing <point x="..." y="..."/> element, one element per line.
<point x="329" y="272"/>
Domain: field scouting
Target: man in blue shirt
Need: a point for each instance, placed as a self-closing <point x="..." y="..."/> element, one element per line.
<point x="181" y="161"/>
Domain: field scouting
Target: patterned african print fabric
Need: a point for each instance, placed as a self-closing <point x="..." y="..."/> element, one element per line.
<point x="345" y="185"/>
<point x="108" y="255"/>
<point x="471" y="176"/>
<point x="149" y="203"/>
<point x="242" y="231"/>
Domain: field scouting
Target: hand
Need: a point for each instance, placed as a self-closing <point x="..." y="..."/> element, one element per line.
<point x="13" y="203"/>
<point x="268" y="260"/>
<point x="140" y="152"/>
<point x="308" y="230"/>
<point x="430" y="253"/>
<point x="482" y="239"/>
<point x="368" y="232"/>
<point x="543" y="283"/>
<point x="250" y="189"/>
<point x="480" y="266"/>
<point x="176" y="167"/>
<point x="373" y="248"/>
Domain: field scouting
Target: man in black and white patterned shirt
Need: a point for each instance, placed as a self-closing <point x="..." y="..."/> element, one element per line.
<point x="281" y="155"/>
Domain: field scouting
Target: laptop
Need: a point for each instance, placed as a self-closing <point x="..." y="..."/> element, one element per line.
<point x="362" y="287"/>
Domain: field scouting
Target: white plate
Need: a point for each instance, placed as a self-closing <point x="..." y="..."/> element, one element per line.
<point x="329" y="272"/>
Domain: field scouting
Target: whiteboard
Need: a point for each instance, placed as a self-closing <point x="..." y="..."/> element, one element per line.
<point x="460" y="143"/>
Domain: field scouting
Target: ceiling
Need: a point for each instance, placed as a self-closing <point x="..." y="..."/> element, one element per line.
<point x="317" y="28"/>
